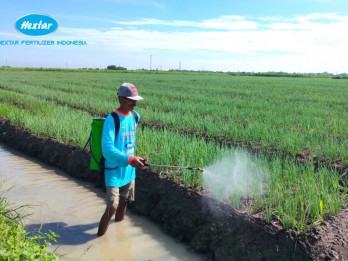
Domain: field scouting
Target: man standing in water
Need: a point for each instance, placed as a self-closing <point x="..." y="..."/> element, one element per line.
<point x="120" y="160"/>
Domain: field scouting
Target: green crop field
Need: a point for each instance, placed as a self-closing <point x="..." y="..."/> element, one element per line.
<point x="190" y="119"/>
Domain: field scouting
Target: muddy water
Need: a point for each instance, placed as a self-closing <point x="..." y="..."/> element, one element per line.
<point x="72" y="209"/>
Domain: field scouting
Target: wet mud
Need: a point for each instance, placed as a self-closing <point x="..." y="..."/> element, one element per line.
<point x="206" y="226"/>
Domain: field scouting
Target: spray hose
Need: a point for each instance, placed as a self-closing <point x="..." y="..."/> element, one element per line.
<point x="171" y="166"/>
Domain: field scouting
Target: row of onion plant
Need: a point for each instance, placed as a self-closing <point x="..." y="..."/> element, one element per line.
<point x="288" y="114"/>
<point x="298" y="195"/>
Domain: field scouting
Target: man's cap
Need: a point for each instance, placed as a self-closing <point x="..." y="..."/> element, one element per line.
<point x="129" y="91"/>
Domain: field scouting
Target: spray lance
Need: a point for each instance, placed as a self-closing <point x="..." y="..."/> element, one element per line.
<point x="145" y="162"/>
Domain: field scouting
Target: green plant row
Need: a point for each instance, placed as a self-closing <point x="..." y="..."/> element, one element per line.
<point x="297" y="195"/>
<point x="42" y="110"/>
<point x="287" y="114"/>
<point x="46" y="119"/>
<point x="284" y="184"/>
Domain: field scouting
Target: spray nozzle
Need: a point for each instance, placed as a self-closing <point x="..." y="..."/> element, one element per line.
<point x="144" y="161"/>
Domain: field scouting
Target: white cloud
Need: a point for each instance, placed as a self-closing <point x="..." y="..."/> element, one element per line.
<point x="288" y="35"/>
<point x="228" y="23"/>
<point x="221" y="23"/>
<point x="315" y="42"/>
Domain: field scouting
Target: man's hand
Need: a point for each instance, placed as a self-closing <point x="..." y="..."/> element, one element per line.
<point x="137" y="162"/>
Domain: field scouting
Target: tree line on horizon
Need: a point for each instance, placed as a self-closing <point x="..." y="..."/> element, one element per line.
<point x="269" y="74"/>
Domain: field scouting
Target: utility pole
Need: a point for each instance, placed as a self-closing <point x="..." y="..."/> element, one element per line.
<point x="150" y="62"/>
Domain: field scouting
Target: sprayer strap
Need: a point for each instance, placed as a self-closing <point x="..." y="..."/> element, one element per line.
<point x="117" y="120"/>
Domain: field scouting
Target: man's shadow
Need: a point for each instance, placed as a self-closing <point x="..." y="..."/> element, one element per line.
<point x="68" y="235"/>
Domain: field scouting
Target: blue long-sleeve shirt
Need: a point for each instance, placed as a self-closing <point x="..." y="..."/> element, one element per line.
<point x="117" y="152"/>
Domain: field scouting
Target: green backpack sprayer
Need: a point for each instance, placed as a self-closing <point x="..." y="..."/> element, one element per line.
<point x="97" y="159"/>
<point x="95" y="141"/>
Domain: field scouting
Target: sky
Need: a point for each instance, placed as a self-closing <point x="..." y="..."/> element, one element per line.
<point x="297" y="36"/>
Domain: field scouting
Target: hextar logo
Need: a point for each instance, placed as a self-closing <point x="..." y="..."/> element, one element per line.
<point x="36" y="25"/>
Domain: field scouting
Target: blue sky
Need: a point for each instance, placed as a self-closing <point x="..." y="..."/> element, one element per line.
<point x="248" y="35"/>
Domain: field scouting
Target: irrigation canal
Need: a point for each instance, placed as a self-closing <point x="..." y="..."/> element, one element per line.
<point x="72" y="209"/>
